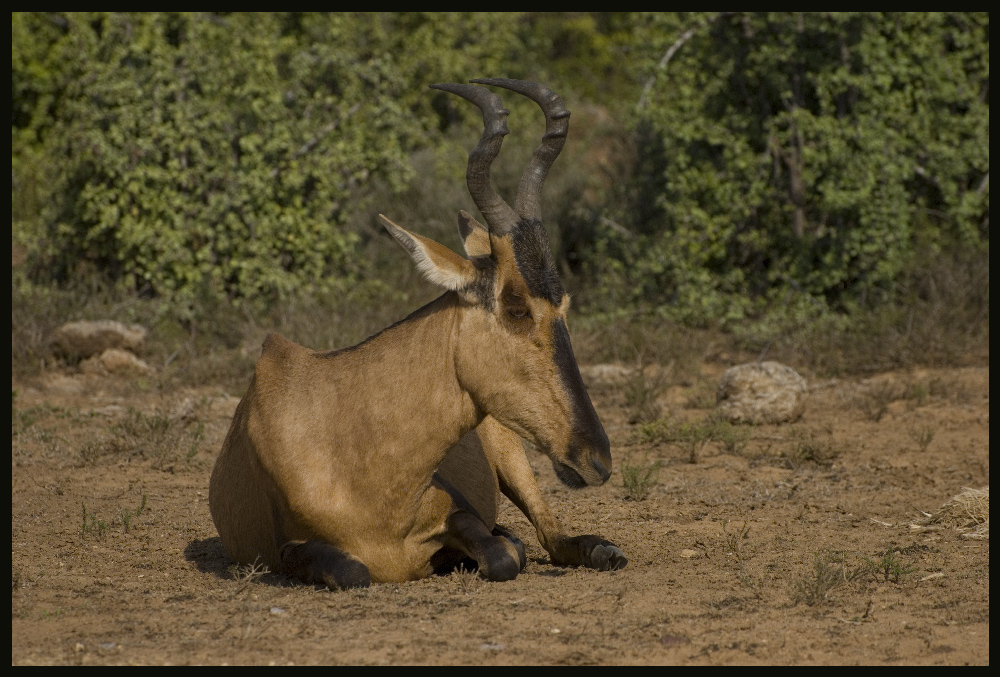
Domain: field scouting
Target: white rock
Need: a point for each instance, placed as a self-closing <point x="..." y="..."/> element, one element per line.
<point x="764" y="392"/>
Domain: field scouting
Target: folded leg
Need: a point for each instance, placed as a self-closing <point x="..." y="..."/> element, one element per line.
<point x="503" y="448"/>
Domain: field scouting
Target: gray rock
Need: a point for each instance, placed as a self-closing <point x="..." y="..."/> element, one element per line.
<point x="85" y="338"/>
<point x="765" y="392"/>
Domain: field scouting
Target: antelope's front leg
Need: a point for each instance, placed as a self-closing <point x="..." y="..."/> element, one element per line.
<point x="589" y="550"/>
<point x="517" y="481"/>
<point x="499" y="554"/>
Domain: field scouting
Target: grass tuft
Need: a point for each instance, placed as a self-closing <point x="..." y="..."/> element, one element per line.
<point x="889" y="567"/>
<point x="169" y="440"/>
<point x="814" y="588"/>
<point x="693" y="436"/>
<point x="922" y="435"/>
<point x="641" y="393"/>
<point x="874" y="400"/>
<point x="639" y="478"/>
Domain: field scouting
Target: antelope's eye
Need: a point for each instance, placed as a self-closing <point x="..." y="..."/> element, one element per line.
<point x="518" y="312"/>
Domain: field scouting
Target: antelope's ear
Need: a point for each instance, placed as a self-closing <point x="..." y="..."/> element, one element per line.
<point x="436" y="262"/>
<point x="475" y="236"/>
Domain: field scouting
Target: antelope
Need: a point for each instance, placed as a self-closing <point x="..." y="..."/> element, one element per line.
<point x="385" y="461"/>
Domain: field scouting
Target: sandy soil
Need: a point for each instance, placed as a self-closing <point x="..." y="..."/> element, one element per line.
<point x="809" y="543"/>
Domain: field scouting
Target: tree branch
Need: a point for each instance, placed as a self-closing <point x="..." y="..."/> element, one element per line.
<point x="669" y="54"/>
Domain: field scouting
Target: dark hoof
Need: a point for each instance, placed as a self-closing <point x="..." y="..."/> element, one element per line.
<point x="499" y="563"/>
<point x="349" y="574"/>
<point x="515" y="541"/>
<point x="503" y="570"/>
<point x="607" y="557"/>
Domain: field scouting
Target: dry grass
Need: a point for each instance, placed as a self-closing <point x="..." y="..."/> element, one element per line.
<point x="170" y="439"/>
<point x="968" y="512"/>
<point x="641" y="393"/>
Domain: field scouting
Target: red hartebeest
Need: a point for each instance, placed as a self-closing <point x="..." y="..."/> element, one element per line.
<point x="384" y="461"/>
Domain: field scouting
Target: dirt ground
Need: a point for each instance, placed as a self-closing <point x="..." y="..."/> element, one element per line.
<point x="817" y="542"/>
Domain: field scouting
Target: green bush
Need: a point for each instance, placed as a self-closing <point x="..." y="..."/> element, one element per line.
<point x="179" y="152"/>
<point x="815" y="183"/>
<point x="799" y="161"/>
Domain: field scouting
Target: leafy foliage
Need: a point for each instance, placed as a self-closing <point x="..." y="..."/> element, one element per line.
<point x="763" y="166"/>
<point x="800" y="160"/>
<point x="186" y="151"/>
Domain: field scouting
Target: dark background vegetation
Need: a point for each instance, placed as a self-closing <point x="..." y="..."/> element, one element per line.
<point x="807" y="186"/>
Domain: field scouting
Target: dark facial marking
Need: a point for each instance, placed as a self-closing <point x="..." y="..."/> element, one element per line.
<point x="482" y="287"/>
<point x="534" y="261"/>
<point x="586" y="422"/>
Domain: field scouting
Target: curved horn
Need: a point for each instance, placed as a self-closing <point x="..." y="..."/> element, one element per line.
<point x="498" y="214"/>
<point x="528" y="202"/>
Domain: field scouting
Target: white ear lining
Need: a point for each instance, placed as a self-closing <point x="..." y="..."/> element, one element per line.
<point x="444" y="267"/>
<point x="440" y="273"/>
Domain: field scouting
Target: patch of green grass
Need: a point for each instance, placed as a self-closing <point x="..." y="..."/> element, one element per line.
<point x="126" y="516"/>
<point x="638" y="478"/>
<point x="691" y="436"/>
<point x="919" y="393"/>
<point x="701" y="397"/>
<point x="733" y="438"/>
<point x="874" y="400"/>
<point x="93" y="526"/>
<point x="169" y="441"/>
<point x="808" y="449"/>
<point x="889" y="567"/>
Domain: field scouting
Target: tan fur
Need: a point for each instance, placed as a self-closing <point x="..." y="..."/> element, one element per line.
<point x="343" y="448"/>
<point x="324" y="448"/>
<point x="499" y="450"/>
<point x="382" y="461"/>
